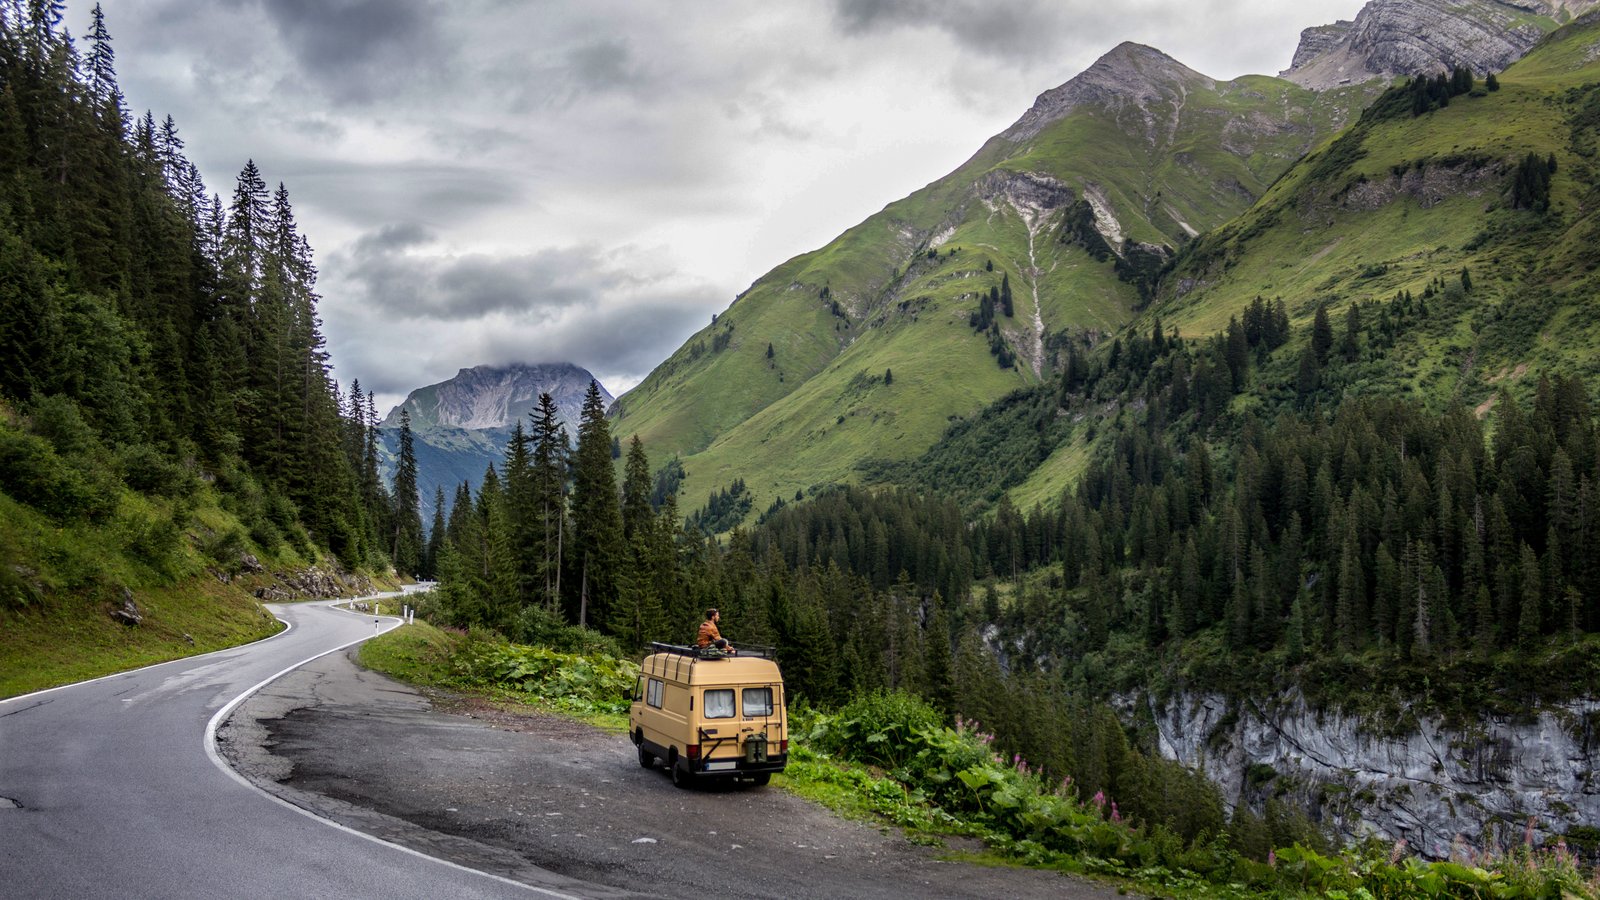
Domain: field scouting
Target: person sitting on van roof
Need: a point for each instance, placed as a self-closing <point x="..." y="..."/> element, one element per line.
<point x="709" y="635"/>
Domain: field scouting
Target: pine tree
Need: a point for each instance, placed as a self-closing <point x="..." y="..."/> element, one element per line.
<point x="1350" y="342"/>
<point x="1530" y="613"/>
<point x="1321" y="334"/>
<point x="436" y="536"/>
<point x="596" y="517"/>
<point x="551" y="453"/>
<point x="637" y="514"/>
<point x="1309" y="375"/>
<point x="406" y="541"/>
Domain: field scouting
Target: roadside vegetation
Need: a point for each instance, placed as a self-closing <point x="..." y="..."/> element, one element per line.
<point x="891" y="757"/>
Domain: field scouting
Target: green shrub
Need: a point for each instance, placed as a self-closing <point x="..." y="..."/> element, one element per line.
<point x="585" y="683"/>
<point x="540" y="627"/>
<point x="225" y="548"/>
<point x="32" y="472"/>
<point x="148" y="471"/>
<point x="58" y="420"/>
<point x="153" y="539"/>
<point x="881" y="728"/>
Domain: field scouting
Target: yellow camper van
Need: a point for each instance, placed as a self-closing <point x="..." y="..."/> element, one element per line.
<point x="708" y="715"/>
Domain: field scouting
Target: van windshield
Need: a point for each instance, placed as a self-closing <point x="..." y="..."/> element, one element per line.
<point x="758" y="701"/>
<point x="719" y="704"/>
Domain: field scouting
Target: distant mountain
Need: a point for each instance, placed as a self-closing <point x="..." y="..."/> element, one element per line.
<point x="461" y="426"/>
<point x="485" y="397"/>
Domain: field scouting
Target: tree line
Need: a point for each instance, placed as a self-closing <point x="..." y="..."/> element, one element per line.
<point x="172" y="323"/>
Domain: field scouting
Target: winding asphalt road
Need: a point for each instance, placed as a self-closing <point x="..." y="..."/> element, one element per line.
<point x="113" y="788"/>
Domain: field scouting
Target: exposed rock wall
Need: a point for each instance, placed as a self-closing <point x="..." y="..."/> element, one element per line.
<point x="1428" y="185"/>
<point x="1415" y="37"/>
<point x="1427" y="785"/>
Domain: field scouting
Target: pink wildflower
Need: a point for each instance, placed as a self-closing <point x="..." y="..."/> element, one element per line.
<point x="1272" y="858"/>
<point x="1398" y="852"/>
<point x="1527" y="833"/>
<point x="1099" y="799"/>
<point x="1116" y="816"/>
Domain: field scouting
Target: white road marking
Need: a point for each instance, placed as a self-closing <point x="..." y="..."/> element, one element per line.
<point x="216" y="758"/>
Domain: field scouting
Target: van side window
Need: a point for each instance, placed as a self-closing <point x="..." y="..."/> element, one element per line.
<point x="758" y="701"/>
<point x="719" y="704"/>
<point x="653" y="695"/>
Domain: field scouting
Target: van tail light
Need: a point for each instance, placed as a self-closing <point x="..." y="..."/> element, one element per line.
<point x="692" y="751"/>
<point x="783" y="747"/>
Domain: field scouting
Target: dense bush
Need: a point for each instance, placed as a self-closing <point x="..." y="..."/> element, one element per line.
<point x="581" y="682"/>
<point x="32" y="472"/>
<point x="149" y="471"/>
<point x="538" y="626"/>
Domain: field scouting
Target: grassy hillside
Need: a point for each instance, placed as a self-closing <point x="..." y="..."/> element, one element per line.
<point x="1399" y="200"/>
<point x="1147" y="153"/>
<point x="85" y="530"/>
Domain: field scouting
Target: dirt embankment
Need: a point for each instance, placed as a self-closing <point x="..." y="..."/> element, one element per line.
<point x="566" y="807"/>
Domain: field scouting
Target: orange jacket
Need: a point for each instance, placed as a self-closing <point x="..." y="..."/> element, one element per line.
<point x="708" y="634"/>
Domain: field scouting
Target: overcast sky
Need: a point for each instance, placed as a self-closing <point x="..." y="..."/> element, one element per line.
<point x="491" y="181"/>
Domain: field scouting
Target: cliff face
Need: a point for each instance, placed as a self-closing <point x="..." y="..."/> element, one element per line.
<point x="1391" y="38"/>
<point x="1429" y="785"/>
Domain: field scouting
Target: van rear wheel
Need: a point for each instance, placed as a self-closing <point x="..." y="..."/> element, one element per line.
<point x="646" y="758"/>
<point x="681" y="776"/>
<point x="761" y="778"/>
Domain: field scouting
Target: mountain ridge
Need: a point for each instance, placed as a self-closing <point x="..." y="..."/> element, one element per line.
<point x="495" y="396"/>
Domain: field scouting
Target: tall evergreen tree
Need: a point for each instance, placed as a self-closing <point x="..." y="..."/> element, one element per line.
<point x="596" y="517"/>
<point x="406" y="537"/>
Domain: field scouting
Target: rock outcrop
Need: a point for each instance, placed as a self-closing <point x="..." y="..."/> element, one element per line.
<point x="1390" y="38"/>
<point x="128" y="613"/>
<point x="315" y="582"/>
<point x="1428" y="784"/>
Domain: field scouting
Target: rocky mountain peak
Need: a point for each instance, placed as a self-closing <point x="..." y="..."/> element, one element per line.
<point x="1129" y="73"/>
<point x="495" y="396"/>
<point x="1391" y="38"/>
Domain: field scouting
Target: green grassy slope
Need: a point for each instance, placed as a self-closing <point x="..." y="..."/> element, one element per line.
<point x="1159" y="161"/>
<point x="1398" y="201"/>
<point x="59" y="583"/>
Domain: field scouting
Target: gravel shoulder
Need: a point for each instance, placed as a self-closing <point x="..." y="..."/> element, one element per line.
<point x="566" y="807"/>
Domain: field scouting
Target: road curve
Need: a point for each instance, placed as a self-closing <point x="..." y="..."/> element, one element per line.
<point x="112" y="788"/>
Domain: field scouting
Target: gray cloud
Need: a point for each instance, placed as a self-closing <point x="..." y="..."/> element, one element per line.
<point x="1023" y="31"/>
<point x="358" y="50"/>
<point x="427" y="315"/>
<point x="539" y="286"/>
<point x="477" y="175"/>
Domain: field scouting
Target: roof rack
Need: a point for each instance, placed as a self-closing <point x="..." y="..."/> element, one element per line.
<point x="747" y="650"/>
